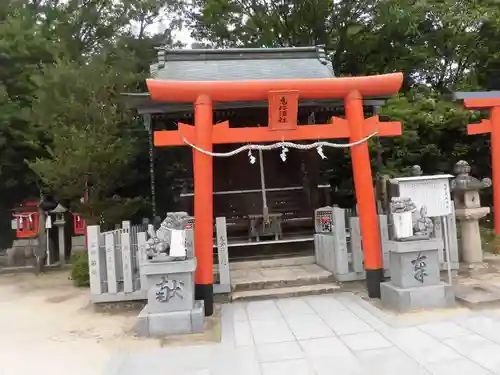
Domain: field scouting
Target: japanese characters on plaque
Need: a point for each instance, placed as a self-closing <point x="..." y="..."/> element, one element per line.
<point x="431" y="191"/>
<point x="283" y="107"/>
<point x="283" y="110"/>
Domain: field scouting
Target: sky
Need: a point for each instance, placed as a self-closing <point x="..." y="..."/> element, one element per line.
<point x="185" y="37"/>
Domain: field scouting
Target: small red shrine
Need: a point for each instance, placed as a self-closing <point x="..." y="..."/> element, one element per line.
<point x="26" y="217"/>
<point x="79" y="225"/>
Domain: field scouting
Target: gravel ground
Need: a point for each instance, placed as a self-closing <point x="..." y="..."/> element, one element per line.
<point x="48" y="326"/>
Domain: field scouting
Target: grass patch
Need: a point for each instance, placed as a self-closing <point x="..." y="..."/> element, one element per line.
<point x="80" y="269"/>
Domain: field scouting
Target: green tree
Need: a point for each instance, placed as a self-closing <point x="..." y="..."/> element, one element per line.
<point x="79" y="108"/>
<point x="83" y="37"/>
<point x="23" y="50"/>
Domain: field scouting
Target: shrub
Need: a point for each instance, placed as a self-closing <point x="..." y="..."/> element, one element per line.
<point x="80" y="269"/>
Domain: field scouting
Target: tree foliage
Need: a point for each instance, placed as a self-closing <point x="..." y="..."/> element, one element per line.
<point x="440" y="45"/>
<point x="85" y="120"/>
<point x="63" y="65"/>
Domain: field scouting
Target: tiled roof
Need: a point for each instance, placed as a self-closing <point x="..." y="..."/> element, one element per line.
<point x="241" y="64"/>
<point x="235" y="64"/>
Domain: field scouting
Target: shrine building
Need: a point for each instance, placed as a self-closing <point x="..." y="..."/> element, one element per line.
<point x="288" y="191"/>
<point x="211" y="101"/>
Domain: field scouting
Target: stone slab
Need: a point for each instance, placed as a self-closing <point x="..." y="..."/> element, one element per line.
<point x="271" y="263"/>
<point x="415" y="246"/>
<point x="424" y="297"/>
<point x="277" y="277"/>
<point x="285" y="292"/>
<point x="198" y="317"/>
<point x="142" y="325"/>
<point x="171" y="323"/>
<point x="119" y="297"/>
<point x="478" y="296"/>
<point x="162" y="268"/>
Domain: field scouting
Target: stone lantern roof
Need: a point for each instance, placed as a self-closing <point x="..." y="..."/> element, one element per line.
<point x="464" y="182"/>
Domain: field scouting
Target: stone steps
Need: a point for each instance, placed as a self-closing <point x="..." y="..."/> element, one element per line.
<point x="285" y="292"/>
<point x="278" y="278"/>
<point x="271" y="263"/>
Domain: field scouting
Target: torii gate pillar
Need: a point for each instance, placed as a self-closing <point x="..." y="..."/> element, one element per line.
<point x="488" y="100"/>
<point x="283" y="96"/>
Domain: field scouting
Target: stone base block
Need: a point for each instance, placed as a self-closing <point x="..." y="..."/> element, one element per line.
<point x="423" y="297"/>
<point x="172" y="322"/>
<point x="22" y="252"/>
<point x="78" y="244"/>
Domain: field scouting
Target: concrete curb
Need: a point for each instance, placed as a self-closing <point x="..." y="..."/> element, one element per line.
<point x="9" y="270"/>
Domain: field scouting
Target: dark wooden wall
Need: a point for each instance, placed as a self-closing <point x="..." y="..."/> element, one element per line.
<point x="235" y="173"/>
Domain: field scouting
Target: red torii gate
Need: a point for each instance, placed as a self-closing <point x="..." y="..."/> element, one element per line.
<point x="283" y="96"/>
<point x="488" y="100"/>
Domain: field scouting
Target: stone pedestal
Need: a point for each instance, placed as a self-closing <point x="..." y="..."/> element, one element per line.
<point x="471" y="249"/>
<point x="415" y="277"/>
<point x="22" y="252"/>
<point x="78" y="244"/>
<point x="171" y="307"/>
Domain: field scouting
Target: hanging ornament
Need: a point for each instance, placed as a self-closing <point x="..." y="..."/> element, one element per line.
<point x="320" y="152"/>
<point x="284" y="150"/>
<point x="251" y="157"/>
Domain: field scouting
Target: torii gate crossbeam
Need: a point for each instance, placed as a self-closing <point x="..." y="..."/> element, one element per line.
<point x="283" y="127"/>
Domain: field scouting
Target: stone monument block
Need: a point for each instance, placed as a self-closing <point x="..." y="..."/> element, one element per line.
<point x="170" y="285"/>
<point x="415" y="277"/>
<point x="167" y="273"/>
<point x="415" y="260"/>
<point x="415" y="263"/>
<point x="22" y="252"/>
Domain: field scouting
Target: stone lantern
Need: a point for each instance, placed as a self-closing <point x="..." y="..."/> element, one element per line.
<point x="468" y="210"/>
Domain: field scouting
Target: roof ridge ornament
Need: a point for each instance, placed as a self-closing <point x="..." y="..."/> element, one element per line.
<point x="322" y="54"/>
<point x="162" y="51"/>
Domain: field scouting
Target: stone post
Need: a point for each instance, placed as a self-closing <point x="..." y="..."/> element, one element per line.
<point x="59" y="223"/>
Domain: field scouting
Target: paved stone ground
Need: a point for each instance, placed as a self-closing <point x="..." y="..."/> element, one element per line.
<point x="337" y="334"/>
